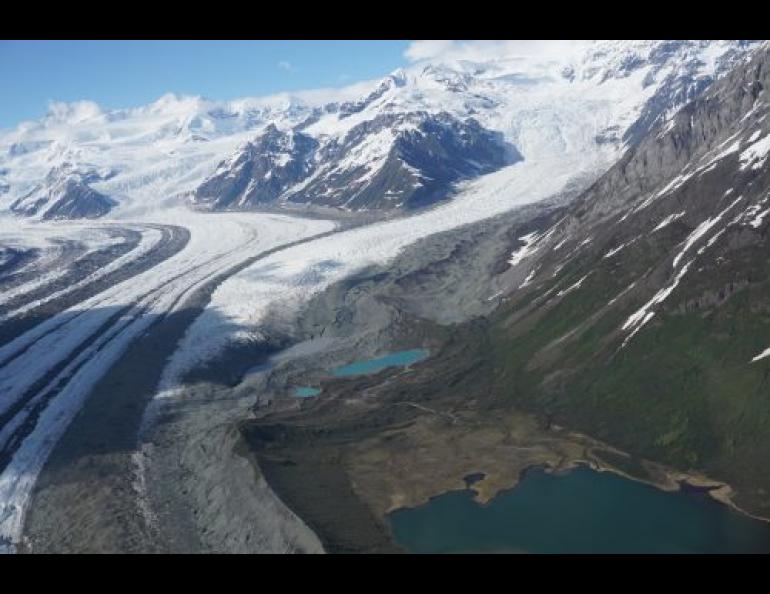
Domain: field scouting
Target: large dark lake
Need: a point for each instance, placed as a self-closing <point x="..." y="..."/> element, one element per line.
<point x="579" y="511"/>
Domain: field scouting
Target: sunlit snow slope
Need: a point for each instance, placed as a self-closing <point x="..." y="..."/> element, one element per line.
<point x="589" y="98"/>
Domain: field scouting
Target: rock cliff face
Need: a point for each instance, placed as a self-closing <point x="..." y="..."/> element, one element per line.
<point x="393" y="161"/>
<point x="65" y="194"/>
<point x="262" y="171"/>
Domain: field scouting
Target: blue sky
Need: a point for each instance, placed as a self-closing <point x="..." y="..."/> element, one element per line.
<point x="132" y="73"/>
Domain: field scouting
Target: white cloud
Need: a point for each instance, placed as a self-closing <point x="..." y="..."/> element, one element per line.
<point x="482" y="51"/>
<point x="425" y="50"/>
<point x="318" y="96"/>
<point x="285" y="65"/>
<point x="74" y="112"/>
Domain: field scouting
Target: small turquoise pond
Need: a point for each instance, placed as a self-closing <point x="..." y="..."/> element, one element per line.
<point x="581" y="511"/>
<point x="397" y="359"/>
<point x="304" y="392"/>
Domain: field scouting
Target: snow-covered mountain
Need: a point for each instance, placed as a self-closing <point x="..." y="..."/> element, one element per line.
<point x="65" y="193"/>
<point x="400" y="142"/>
<point x="394" y="160"/>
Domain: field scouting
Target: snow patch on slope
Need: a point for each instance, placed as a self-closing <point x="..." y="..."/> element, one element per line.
<point x="756" y="154"/>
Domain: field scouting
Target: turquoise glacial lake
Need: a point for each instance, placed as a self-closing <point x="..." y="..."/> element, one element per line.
<point x="397" y="359"/>
<point x="579" y="511"/>
<point x="305" y="392"/>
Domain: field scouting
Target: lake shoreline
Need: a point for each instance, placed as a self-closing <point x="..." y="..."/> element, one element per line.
<point x="676" y="481"/>
<point x="548" y="512"/>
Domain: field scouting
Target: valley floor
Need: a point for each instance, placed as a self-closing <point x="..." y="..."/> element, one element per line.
<point x="144" y="404"/>
<point x="109" y="313"/>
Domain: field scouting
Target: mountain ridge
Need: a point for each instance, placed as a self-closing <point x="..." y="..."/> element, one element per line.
<point x="640" y="313"/>
<point x="596" y="99"/>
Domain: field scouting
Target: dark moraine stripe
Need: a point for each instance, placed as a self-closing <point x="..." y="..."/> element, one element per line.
<point x="173" y="240"/>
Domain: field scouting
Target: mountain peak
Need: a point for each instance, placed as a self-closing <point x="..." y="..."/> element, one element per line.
<point x="543" y="98"/>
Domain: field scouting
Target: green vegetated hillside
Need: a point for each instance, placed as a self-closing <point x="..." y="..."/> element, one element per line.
<point x="678" y="226"/>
